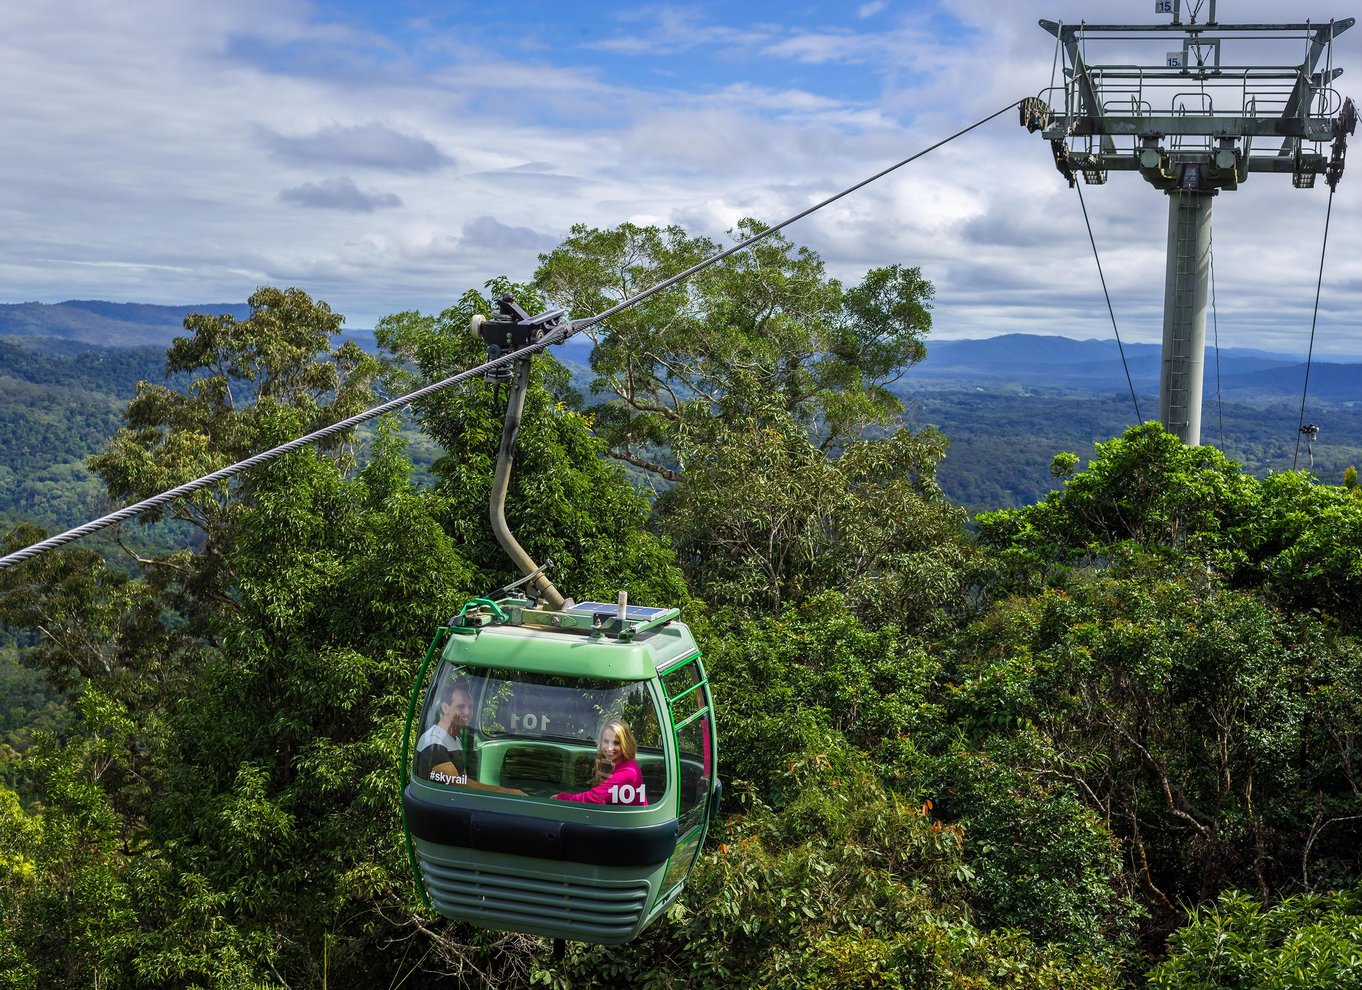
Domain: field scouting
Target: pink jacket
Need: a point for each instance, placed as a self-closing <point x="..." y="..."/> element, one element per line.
<point x="624" y="786"/>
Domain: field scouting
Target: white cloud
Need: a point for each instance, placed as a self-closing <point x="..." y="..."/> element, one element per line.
<point x="656" y="30"/>
<point x="371" y="145"/>
<point x="151" y="167"/>
<point x="339" y="194"/>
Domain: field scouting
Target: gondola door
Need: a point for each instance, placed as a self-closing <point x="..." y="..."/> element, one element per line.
<point x="696" y="771"/>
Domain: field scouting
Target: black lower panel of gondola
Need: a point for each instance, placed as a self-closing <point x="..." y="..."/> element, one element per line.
<point x="542" y="838"/>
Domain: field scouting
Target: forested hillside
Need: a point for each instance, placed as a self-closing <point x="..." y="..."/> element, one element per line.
<point x="1001" y="443"/>
<point x="1107" y="738"/>
<point x="54" y="413"/>
<point x="60" y="410"/>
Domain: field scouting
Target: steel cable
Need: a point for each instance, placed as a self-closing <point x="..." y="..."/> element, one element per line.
<point x="1314" y="319"/>
<point x="555" y="336"/>
<point x="1112" y="312"/>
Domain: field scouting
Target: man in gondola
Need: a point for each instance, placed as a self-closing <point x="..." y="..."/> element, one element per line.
<point x="439" y="752"/>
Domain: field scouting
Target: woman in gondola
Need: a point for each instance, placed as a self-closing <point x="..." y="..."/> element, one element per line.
<point x="618" y="779"/>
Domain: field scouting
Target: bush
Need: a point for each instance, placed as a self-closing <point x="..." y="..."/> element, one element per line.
<point x="1305" y="942"/>
<point x="847" y="886"/>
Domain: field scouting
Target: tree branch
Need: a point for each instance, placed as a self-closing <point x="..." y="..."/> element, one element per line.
<point x="1174" y="799"/>
<point x="629" y="457"/>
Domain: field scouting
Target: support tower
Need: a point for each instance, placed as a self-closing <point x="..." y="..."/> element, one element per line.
<point x="1187" y="121"/>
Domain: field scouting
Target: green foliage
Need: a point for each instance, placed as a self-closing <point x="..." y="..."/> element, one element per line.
<point x="112" y="372"/>
<point x="763" y="338"/>
<point x="1040" y="860"/>
<point x="1191" y="670"/>
<point x="817" y="680"/>
<point x="1148" y="498"/>
<point x="20" y="837"/>
<point x="97" y="626"/>
<point x="1145" y="492"/>
<point x="1302" y="544"/>
<point x="64" y="890"/>
<point x="814" y="677"/>
<point x="278" y="769"/>
<point x="1212" y="733"/>
<point x="269" y="672"/>
<point x="1064" y="465"/>
<point x="1305" y="942"/>
<point x="767" y="519"/>
<point x="28" y="706"/>
<point x="253" y="384"/>
<point x="54" y="413"/>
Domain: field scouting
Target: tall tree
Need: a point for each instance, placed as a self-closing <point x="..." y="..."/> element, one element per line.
<point x="1181" y="636"/>
<point x="764" y="337"/>
<point x="251" y="690"/>
<point x="768" y="519"/>
<point x="253" y="384"/>
<point x="1147" y="496"/>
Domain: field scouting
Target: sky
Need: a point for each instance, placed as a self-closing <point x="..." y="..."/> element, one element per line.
<point x="388" y="155"/>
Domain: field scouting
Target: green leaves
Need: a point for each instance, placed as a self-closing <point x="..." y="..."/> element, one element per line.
<point x="256" y="383"/>
<point x="1148" y="502"/>
<point x="762" y="340"/>
<point x="64" y="887"/>
<point x="1303" y="544"/>
<point x="768" y="519"/>
<point x="847" y="886"/>
<point x="1304" y="942"/>
<point x="1199" y="722"/>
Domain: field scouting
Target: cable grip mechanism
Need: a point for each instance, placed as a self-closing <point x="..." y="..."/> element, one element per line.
<point x="512" y="329"/>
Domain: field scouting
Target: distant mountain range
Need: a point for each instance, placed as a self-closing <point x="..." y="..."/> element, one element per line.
<point x="1008" y="363"/>
<point x="1029" y="361"/>
<point x="1007" y="404"/>
<point x="62" y="327"/>
<point x="104" y="324"/>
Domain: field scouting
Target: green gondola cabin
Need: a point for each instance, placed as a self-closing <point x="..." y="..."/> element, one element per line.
<point x="514" y="709"/>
